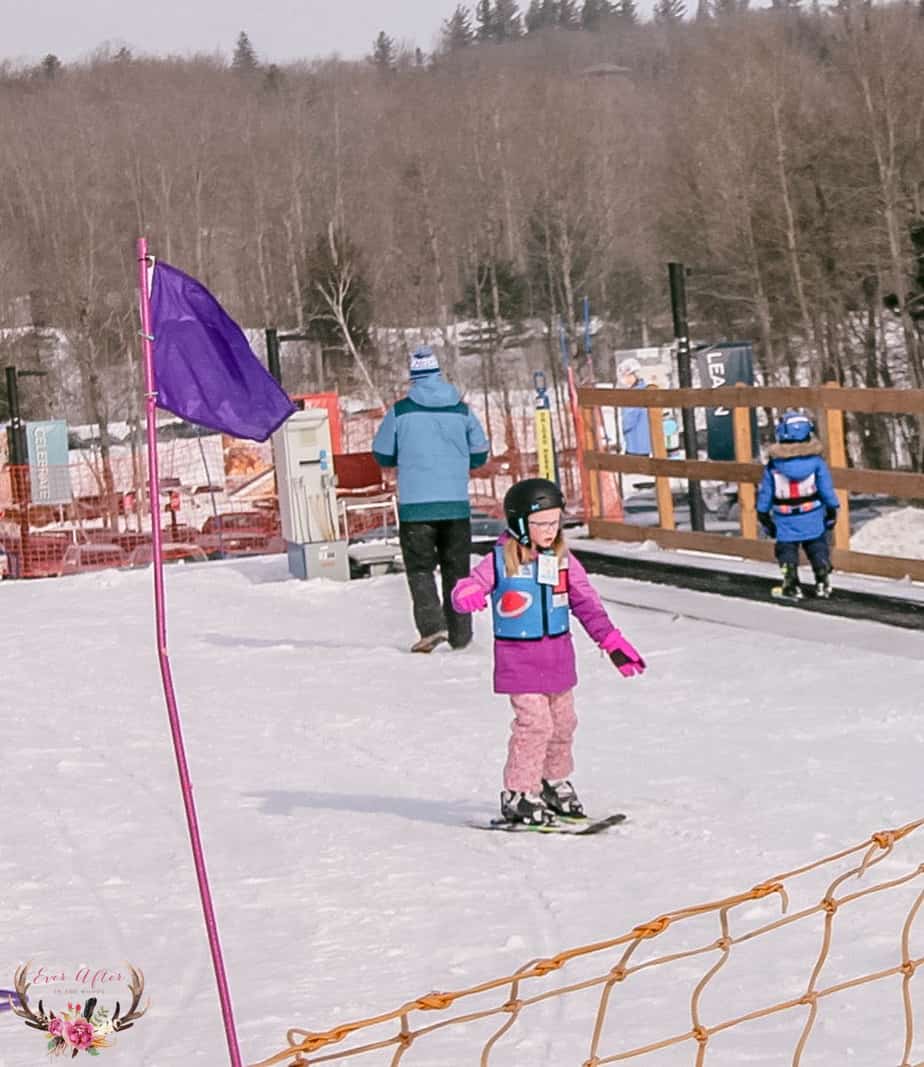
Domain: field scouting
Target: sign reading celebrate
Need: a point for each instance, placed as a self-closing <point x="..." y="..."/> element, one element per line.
<point x="49" y="472"/>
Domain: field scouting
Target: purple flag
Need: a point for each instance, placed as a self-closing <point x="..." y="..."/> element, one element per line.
<point x="204" y="369"/>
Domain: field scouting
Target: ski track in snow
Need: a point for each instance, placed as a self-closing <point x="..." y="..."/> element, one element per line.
<point x="334" y="773"/>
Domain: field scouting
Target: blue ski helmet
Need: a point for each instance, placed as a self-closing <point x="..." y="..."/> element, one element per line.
<point x="523" y="498"/>
<point x="794" y="426"/>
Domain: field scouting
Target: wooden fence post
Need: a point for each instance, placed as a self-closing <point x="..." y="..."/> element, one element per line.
<point x="662" y="483"/>
<point x="837" y="457"/>
<point x="744" y="453"/>
<point x="591" y="444"/>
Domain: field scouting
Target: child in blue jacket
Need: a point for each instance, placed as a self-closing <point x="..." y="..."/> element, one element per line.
<point x="796" y="503"/>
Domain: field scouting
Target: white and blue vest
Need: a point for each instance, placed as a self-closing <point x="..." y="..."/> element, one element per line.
<point x="524" y="609"/>
<point x="794" y="496"/>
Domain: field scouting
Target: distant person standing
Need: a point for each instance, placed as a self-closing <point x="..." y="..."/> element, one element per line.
<point x="636" y="434"/>
<point x="434" y="440"/>
<point x="797" y="504"/>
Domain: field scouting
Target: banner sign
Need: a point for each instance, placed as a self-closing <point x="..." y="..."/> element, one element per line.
<point x="49" y="469"/>
<point x="725" y="364"/>
<point x="545" y="441"/>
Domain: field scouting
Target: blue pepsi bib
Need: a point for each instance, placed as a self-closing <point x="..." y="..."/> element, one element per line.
<point x="523" y="608"/>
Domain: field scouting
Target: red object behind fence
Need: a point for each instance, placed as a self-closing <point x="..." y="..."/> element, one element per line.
<point x="331" y="401"/>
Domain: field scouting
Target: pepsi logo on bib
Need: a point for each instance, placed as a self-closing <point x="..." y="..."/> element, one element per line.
<point x="513" y="604"/>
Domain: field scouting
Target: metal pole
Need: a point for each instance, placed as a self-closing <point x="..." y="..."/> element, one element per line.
<point x="685" y="375"/>
<point x="19" y="459"/>
<point x="160" y="608"/>
<point x="272" y="353"/>
<point x="18" y="451"/>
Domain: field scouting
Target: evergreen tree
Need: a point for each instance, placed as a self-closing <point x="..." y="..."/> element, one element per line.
<point x="534" y="16"/>
<point x="548" y="13"/>
<point x="507" y="20"/>
<point x="484" y="18"/>
<point x="50" y="66"/>
<point x="383" y="51"/>
<point x="457" y="30"/>
<point x="512" y="293"/>
<point x="272" y="79"/>
<point x="244" y="60"/>
<point x="669" y="11"/>
<point x="594" y="11"/>
<point x="335" y="271"/>
<point x="627" y="12"/>
<point x="568" y="17"/>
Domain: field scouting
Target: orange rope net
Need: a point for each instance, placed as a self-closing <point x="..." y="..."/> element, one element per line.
<point x="302" y="1044"/>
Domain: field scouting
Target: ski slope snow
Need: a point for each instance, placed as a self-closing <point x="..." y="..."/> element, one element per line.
<point x="334" y="774"/>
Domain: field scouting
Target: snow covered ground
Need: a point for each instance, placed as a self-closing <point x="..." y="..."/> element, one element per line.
<point x="334" y="775"/>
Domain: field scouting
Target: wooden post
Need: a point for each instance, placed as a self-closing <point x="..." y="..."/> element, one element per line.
<point x="837" y="457"/>
<point x="744" y="453"/>
<point x="608" y="484"/>
<point x="590" y="443"/>
<point x="662" y="484"/>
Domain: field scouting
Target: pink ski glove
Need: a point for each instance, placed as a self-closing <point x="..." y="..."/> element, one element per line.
<point x="468" y="596"/>
<point x="625" y="658"/>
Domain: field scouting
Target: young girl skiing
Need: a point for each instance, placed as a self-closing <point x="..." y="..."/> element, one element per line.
<point x="534" y="585"/>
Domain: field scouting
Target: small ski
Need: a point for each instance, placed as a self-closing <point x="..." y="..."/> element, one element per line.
<point x="570" y="827"/>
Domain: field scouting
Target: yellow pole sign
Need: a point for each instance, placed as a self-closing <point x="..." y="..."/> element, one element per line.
<point x="545" y="440"/>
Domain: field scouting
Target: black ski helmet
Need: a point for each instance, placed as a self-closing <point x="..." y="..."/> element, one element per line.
<point x="522" y="499"/>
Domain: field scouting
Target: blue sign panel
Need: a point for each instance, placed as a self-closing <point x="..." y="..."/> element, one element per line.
<point x="49" y="470"/>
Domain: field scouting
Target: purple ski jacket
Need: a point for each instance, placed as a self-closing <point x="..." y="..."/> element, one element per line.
<point x="547" y="665"/>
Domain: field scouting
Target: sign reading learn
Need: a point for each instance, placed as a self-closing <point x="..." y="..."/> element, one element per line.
<point x="49" y="472"/>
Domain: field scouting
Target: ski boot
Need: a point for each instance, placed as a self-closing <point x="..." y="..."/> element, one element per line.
<point x="560" y="797"/>
<point x="525" y="808"/>
<point x="823" y="583"/>
<point x="790" y="589"/>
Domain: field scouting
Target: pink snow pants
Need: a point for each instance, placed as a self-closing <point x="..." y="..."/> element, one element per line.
<point x="540" y="744"/>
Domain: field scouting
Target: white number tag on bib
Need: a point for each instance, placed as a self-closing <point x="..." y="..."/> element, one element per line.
<point x="548" y="570"/>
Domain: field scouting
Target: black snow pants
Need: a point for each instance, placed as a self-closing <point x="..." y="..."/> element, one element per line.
<point x="818" y="552"/>
<point x="424" y="545"/>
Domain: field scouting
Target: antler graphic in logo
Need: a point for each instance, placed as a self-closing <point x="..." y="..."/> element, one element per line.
<point x="127" y="1021"/>
<point x="82" y="1028"/>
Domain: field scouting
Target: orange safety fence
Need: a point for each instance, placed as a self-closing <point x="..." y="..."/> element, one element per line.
<point x="305" y="1047"/>
<point x="217" y="497"/>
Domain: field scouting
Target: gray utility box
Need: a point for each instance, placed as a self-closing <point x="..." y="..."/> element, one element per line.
<point x="319" y="559"/>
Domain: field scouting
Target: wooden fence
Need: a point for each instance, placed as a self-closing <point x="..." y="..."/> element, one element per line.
<point x="829" y="402"/>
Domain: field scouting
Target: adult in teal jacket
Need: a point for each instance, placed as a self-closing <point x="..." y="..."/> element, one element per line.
<point x="434" y="440"/>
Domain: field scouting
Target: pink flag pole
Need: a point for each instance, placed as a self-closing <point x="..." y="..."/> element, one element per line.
<point x="150" y="391"/>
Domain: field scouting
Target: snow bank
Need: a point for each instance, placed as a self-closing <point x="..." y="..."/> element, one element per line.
<point x="898" y="533"/>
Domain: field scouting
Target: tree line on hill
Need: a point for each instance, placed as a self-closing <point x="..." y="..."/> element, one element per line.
<point x="533" y="158"/>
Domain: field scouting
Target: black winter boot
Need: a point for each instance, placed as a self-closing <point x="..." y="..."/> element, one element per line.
<point x="823" y="583"/>
<point x="526" y="808"/>
<point x="791" y="587"/>
<point x="562" y="799"/>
